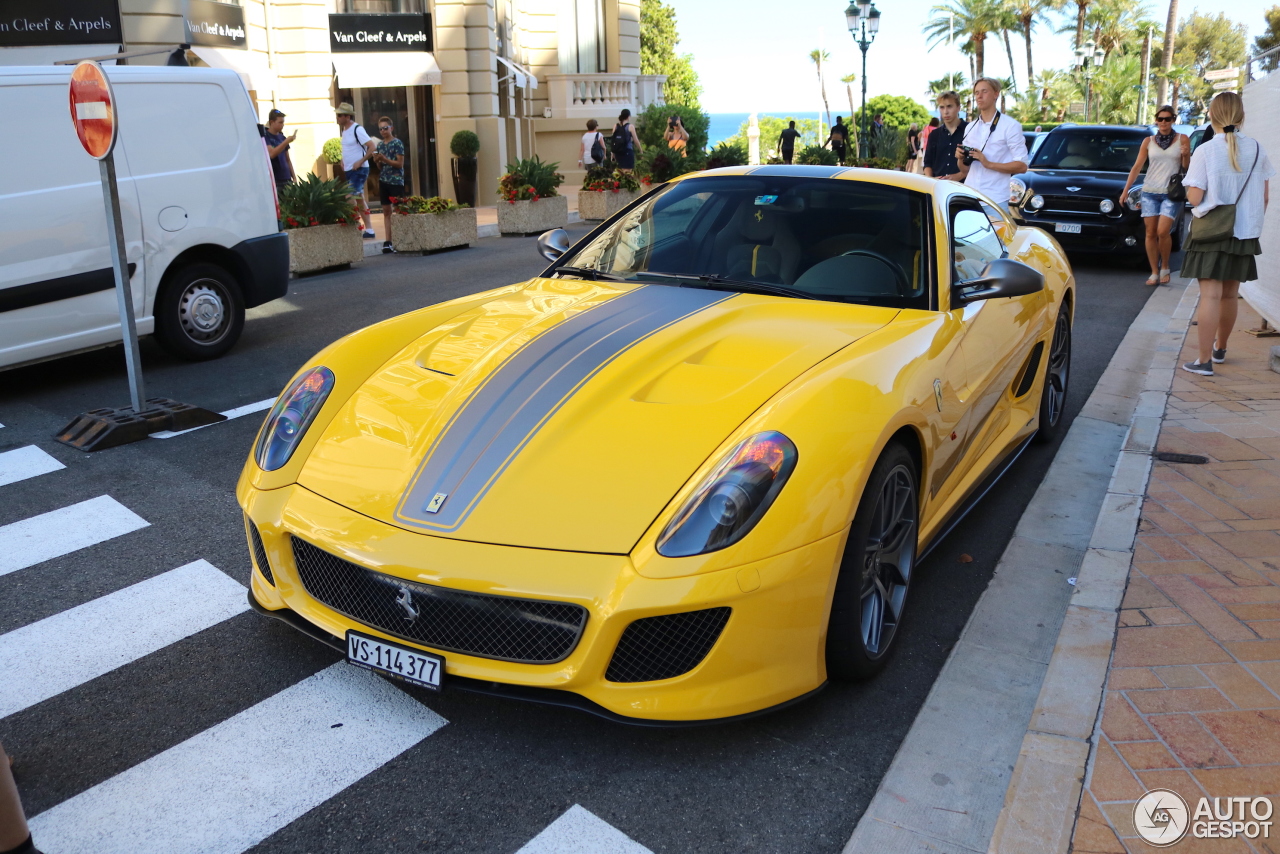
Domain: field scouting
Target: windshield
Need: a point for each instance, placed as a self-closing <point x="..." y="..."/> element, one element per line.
<point x="1095" y="151"/>
<point x="838" y="240"/>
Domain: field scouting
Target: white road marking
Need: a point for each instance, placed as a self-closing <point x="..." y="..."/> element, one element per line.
<point x="247" y="409"/>
<point x="578" y="831"/>
<point x="45" y="658"/>
<point x="235" y="784"/>
<point x="63" y="531"/>
<point x="271" y="309"/>
<point x="22" y="463"/>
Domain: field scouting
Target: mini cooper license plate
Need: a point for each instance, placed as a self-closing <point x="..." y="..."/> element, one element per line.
<point x="411" y="665"/>
<point x="1067" y="227"/>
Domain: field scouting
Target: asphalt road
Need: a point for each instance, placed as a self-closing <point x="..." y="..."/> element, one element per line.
<point x="500" y="771"/>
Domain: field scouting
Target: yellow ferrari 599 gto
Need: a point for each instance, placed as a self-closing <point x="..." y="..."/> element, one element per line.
<point x="685" y="474"/>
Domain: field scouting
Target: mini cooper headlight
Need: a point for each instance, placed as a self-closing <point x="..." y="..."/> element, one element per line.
<point x="289" y="419"/>
<point x="1017" y="189"/>
<point x="1106" y="206"/>
<point x="732" y="498"/>
<point x="1134" y="198"/>
<point x="1036" y="202"/>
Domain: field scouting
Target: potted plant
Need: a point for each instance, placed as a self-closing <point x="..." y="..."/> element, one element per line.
<point x="605" y="191"/>
<point x="321" y="222"/>
<point x="528" y="202"/>
<point x="425" y="225"/>
<point x="465" y="145"/>
<point x="332" y="154"/>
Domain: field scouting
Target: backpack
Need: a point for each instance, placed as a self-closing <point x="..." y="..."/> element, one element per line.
<point x="620" y="142"/>
<point x="597" y="148"/>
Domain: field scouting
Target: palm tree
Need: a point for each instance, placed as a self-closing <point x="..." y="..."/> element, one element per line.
<point x="1117" y="22"/>
<point x="1006" y="19"/>
<point x="1029" y="13"/>
<point x="1179" y="76"/>
<point x="952" y="82"/>
<point x="817" y="57"/>
<point x="1166" y="59"/>
<point x="971" y="20"/>
<point x="848" y="81"/>
<point x="1056" y="90"/>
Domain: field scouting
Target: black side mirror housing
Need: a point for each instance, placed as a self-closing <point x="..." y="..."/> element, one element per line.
<point x="1003" y="277"/>
<point x="554" y="243"/>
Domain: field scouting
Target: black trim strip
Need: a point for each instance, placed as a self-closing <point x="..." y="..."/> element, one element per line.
<point x="962" y="509"/>
<point x="65" y="287"/>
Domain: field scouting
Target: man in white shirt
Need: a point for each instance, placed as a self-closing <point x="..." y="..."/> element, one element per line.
<point x="357" y="148"/>
<point x="995" y="143"/>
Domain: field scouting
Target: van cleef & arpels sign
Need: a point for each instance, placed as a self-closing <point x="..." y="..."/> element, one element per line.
<point x="356" y="33"/>
<point x="55" y="22"/>
<point x="214" y="24"/>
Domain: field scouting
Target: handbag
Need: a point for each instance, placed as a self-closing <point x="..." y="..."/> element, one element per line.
<point x="1175" y="191"/>
<point x="1220" y="223"/>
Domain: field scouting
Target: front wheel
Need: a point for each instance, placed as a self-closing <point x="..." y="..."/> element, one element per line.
<point x="1053" y="397"/>
<point x="200" y="312"/>
<point x="875" y="573"/>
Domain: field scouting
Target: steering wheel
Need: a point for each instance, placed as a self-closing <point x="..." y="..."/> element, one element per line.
<point x="898" y="273"/>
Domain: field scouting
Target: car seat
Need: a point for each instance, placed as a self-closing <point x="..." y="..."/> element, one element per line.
<point x="1078" y="151"/>
<point x="758" y="245"/>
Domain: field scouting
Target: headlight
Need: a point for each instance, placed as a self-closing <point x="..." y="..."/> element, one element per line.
<point x="291" y="416"/>
<point x="1036" y="202"/>
<point x="1106" y="206"/>
<point x="732" y="498"/>
<point x="1134" y="198"/>
<point x="1017" y="189"/>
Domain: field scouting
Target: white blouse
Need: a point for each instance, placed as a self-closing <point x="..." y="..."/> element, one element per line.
<point x="1211" y="171"/>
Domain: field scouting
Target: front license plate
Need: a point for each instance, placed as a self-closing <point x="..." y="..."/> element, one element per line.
<point x="1067" y="227"/>
<point x="411" y="665"/>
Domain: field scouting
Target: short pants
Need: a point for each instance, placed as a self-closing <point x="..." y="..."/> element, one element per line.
<point x="1158" y="204"/>
<point x="356" y="178"/>
<point x="387" y="192"/>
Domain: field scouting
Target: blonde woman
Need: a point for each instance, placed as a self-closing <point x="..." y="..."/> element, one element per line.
<point x="1229" y="169"/>
<point x="1168" y="152"/>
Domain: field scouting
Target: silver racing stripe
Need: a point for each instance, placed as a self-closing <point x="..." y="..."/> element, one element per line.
<point x="526" y="391"/>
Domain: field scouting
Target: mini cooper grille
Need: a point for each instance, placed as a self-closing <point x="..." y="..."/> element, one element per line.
<point x="530" y="631"/>
<point x="655" y="648"/>
<point x="1072" y="204"/>
<point x="259" y="552"/>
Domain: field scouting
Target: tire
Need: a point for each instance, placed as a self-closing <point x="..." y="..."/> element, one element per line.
<point x="200" y="312"/>
<point x="1053" y="394"/>
<point x="875" y="573"/>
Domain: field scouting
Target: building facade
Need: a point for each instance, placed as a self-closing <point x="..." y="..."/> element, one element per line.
<point x="524" y="75"/>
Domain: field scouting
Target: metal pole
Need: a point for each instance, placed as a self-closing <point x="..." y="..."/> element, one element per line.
<point x="862" y="142"/>
<point x="124" y="293"/>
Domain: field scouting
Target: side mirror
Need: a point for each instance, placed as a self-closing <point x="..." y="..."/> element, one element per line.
<point x="1003" y="277"/>
<point x="554" y="243"/>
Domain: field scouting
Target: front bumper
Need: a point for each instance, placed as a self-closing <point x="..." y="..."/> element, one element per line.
<point x="770" y="653"/>
<point x="1098" y="232"/>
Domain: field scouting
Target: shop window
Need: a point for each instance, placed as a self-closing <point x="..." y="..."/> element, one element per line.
<point x="582" y="36"/>
<point x="374" y="7"/>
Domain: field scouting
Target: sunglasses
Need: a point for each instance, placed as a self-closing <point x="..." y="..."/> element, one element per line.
<point x="1164" y="118"/>
<point x="384" y="127"/>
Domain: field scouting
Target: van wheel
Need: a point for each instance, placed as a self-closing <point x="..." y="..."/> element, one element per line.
<point x="200" y="312"/>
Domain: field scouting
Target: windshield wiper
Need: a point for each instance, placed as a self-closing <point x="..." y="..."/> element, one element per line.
<point x="591" y="273"/>
<point x="724" y="283"/>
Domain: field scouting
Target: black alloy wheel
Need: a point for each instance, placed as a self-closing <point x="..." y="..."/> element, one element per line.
<point x="875" y="573"/>
<point x="199" y="312"/>
<point x="1053" y="397"/>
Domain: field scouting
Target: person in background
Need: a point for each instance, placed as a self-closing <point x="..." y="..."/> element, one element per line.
<point x="994" y="146"/>
<point x="924" y="142"/>
<point x="624" y="143"/>
<point x="940" y="150"/>
<point x="592" y="145"/>
<point x="357" y="149"/>
<point x="876" y="129"/>
<point x="913" y="146"/>
<point x="1038" y="130"/>
<point x="278" y="148"/>
<point x="1169" y="152"/>
<point x="787" y="142"/>
<point x="838" y="139"/>
<point x="390" y="159"/>
<point x="676" y="136"/>
<point x="1229" y="169"/>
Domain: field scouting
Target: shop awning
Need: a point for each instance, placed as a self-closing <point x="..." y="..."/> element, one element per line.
<point x="524" y="78"/>
<point x="249" y="64"/>
<point x="49" y="54"/>
<point x="386" y="68"/>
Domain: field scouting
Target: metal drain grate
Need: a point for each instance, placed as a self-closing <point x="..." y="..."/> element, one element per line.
<point x="1170" y="457"/>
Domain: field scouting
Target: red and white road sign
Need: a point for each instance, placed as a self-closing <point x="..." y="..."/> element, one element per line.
<point x="93" y="109"/>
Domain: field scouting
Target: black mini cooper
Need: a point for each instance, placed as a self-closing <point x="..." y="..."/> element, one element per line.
<point x="1073" y="186"/>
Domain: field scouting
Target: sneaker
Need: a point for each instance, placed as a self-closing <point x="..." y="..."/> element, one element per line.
<point x="387" y="248"/>
<point x="1201" y="368"/>
<point x="1218" y="356"/>
<point x="369" y="234"/>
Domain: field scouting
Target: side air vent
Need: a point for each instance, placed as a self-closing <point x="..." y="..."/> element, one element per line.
<point x="259" y="552"/>
<point x="656" y="648"/>
<point x="1029" y="370"/>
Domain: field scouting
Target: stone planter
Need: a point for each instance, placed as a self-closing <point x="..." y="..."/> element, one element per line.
<point x="593" y="204"/>
<point x="533" y="217"/>
<point x="427" y="232"/>
<point x="322" y="246"/>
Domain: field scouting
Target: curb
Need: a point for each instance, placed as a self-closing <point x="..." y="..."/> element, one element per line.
<point x="1002" y="740"/>
<point x="374" y="247"/>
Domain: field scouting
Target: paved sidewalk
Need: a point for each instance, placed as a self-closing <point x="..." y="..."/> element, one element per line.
<point x="1192" y="700"/>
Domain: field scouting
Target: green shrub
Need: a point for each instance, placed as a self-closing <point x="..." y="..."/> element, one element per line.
<point x="332" y="150"/>
<point x="816" y="155"/>
<point x="424" y="205"/>
<point x="606" y="177"/>
<point x="890" y="143"/>
<point x="529" y="179"/>
<point x="465" y="144"/>
<point x="727" y="154"/>
<point x="876" y="163"/>
<point x="312" y="201"/>
<point x="652" y="124"/>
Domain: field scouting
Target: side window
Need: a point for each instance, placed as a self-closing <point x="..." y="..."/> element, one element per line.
<point x="974" y="243"/>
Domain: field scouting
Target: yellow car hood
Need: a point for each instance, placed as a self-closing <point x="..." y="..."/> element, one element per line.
<point x="567" y="414"/>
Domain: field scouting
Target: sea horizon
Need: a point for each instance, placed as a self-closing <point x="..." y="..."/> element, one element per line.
<point x="724" y="125"/>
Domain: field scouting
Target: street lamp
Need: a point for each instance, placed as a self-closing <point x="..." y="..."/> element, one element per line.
<point x="863" y="19"/>
<point x="1088" y="57"/>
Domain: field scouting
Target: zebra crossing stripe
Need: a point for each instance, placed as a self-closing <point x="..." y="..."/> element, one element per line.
<point x="236" y="783"/>
<point x="60" y="532"/>
<point x="239" y="411"/>
<point x="579" y="831"/>
<point x="23" y="463"/>
<point x="43" y="659"/>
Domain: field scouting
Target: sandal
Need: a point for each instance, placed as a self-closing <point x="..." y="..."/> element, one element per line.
<point x="1164" y="276"/>
<point x="1151" y="280"/>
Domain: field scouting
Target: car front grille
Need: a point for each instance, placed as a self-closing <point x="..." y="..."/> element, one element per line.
<point x="1072" y="204"/>
<point x="530" y="631"/>
<point x="259" y="552"/>
<point x="654" y="648"/>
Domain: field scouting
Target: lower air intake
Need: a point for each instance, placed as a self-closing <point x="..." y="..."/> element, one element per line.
<point x="259" y="552"/>
<point x="654" y="648"/>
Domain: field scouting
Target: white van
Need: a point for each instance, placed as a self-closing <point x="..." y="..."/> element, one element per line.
<point x="197" y="200"/>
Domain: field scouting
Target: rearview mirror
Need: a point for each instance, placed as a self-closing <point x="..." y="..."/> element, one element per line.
<point x="554" y="243"/>
<point x="1003" y="277"/>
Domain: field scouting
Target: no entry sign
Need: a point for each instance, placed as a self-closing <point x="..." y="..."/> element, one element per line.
<point x="93" y="109"/>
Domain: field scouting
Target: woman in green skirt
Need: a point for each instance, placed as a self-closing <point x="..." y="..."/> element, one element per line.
<point x="1229" y="169"/>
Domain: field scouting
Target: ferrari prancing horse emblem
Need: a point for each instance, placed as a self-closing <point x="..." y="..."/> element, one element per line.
<point x="405" y="601"/>
<point x="436" y="502"/>
<point x="937" y="393"/>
